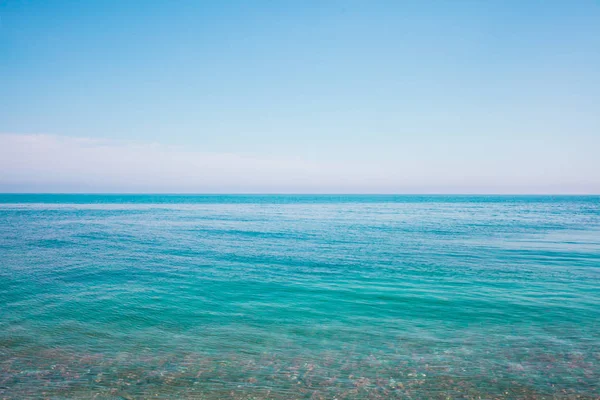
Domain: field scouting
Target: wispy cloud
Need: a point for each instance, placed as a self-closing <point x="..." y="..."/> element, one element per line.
<point x="56" y="163"/>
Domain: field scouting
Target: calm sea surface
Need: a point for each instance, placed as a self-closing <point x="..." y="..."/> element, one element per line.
<point x="289" y="297"/>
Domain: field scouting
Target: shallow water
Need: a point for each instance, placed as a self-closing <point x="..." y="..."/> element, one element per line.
<point x="286" y="297"/>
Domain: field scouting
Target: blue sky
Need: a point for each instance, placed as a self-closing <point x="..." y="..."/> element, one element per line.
<point x="300" y="96"/>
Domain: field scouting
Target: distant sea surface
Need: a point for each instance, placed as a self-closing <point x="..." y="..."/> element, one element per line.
<point x="299" y="297"/>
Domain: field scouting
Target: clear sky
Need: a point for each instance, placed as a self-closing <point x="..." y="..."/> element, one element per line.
<point x="300" y="96"/>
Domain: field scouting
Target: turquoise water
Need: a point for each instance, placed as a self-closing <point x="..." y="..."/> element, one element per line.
<point x="286" y="297"/>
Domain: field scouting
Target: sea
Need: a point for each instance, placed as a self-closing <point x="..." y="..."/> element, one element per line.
<point x="299" y="297"/>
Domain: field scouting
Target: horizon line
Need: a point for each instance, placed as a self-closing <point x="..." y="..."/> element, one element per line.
<point x="289" y="194"/>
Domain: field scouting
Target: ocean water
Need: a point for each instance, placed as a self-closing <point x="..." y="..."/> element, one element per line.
<point x="299" y="297"/>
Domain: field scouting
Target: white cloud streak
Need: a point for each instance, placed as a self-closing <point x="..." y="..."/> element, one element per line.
<point x="80" y="164"/>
